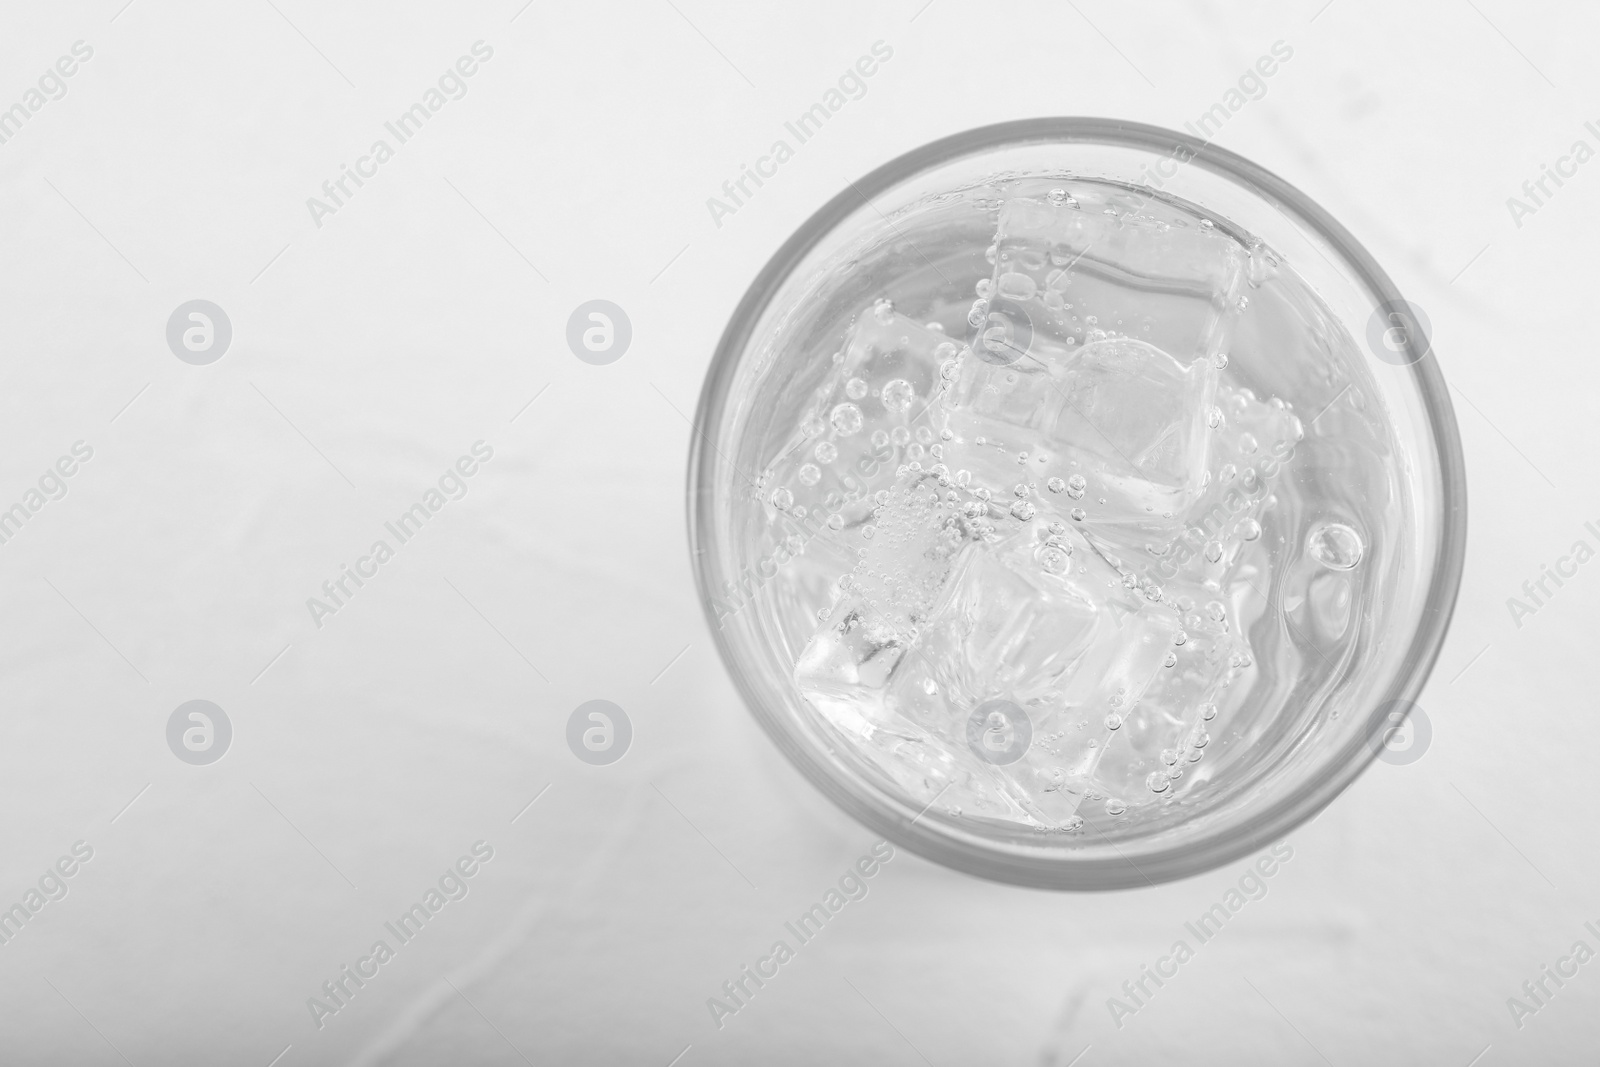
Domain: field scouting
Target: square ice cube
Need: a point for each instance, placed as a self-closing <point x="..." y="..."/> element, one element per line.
<point x="1069" y="272"/>
<point x="867" y="417"/>
<point x="1097" y="356"/>
<point x="849" y="659"/>
<point x="884" y="347"/>
<point x="1116" y="420"/>
<point x="1043" y="624"/>
<point x="1164" y="734"/>
<point x="1251" y="448"/>
<point x="909" y="542"/>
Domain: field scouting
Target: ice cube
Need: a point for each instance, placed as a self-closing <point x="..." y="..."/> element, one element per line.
<point x="851" y="656"/>
<point x="1118" y="422"/>
<point x="1042" y="623"/>
<point x="1251" y="448"/>
<point x="1068" y="272"/>
<point x="885" y="347"/>
<point x="961" y="602"/>
<point x="1097" y="354"/>
<point x="881" y="604"/>
<point x="998" y="632"/>
<point x="867" y="417"/>
<point x="1164" y="735"/>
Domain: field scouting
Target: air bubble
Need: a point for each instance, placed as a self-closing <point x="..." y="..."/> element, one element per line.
<point x="1016" y="286"/>
<point x="809" y="474"/>
<point x="826" y="452"/>
<point x="1335" y="545"/>
<point x="846" y="419"/>
<point x="897" y="395"/>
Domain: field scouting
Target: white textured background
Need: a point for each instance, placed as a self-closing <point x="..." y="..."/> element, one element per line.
<point x="425" y="315"/>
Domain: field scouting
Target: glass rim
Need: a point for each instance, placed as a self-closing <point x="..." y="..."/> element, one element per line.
<point x="1219" y="845"/>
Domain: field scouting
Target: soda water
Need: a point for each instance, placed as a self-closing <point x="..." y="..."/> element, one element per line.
<point x="1073" y="501"/>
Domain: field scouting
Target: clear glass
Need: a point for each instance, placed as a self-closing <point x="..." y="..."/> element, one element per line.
<point x="1288" y="742"/>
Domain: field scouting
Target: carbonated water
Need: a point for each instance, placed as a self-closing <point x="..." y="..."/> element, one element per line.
<point x="1080" y="491"/>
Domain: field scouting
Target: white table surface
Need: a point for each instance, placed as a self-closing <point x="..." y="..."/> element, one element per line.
<point x="368" y="353"/>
